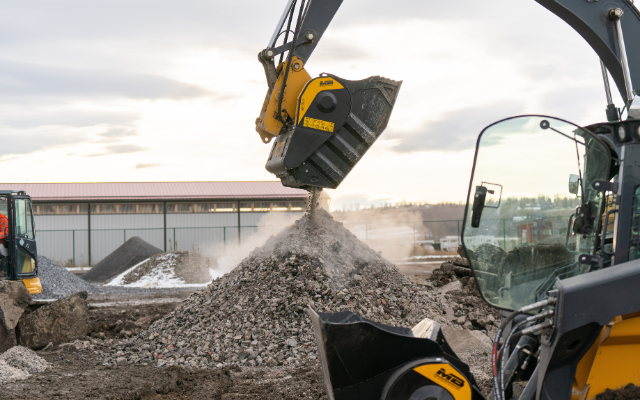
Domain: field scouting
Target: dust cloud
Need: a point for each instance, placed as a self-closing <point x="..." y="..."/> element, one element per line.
<point x="393" y="234"/>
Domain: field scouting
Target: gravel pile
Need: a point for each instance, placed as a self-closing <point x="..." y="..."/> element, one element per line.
<point x="168" y="270"/>
<point x="24" y="359"/>
<point x="57" y="282"/>
<point x="132" y="252"/>
<point x="10" y="374"/>
<point x="255" y="315"/>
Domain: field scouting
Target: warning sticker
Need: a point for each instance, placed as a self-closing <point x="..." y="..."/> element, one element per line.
<point x="318" y="124"/>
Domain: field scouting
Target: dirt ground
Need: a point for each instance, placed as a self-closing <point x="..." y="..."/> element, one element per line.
<point x="77" y="374"/>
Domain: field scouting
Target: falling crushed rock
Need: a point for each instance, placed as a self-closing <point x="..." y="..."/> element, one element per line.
<point x="255" y="315"/>
<point x="168" y="270"/>
<point x="24" y="359"/>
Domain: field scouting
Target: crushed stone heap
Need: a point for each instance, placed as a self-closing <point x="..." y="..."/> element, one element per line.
<point x="130" y="253"/>
<point x="168" y="270"/>
<point x="57" y="282"/>
<point x="255" y="315"/>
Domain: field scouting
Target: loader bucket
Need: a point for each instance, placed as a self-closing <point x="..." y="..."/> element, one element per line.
<point x="361" y="358"/>
<point x="336" y="122"/>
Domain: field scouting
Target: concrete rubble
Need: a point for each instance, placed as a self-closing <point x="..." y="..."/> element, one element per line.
<point x="25" y="359"/>
<point x="19" y="363"/>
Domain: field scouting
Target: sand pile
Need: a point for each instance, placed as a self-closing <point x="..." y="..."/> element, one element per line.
<point x="180" y="268"/>
<point x="255" y="315"/>
<point x="132" y="252"/>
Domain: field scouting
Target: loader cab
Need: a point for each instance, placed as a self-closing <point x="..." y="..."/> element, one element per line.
<point x="535" y="207"/>
<point x="19" y="261"/>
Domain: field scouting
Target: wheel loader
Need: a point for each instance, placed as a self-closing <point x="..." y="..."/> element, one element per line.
<point x="551" y="226"/>
<point x="18" y="251"/>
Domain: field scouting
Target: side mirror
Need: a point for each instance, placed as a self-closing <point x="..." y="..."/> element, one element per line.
<point x="574" y="184"/>
<point x="478" y="205"/>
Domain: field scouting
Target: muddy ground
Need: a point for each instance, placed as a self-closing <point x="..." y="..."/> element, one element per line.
<point x="76" y="373"/>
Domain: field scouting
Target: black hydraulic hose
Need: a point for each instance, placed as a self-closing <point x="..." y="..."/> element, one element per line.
<point x="286" y="35"/>
<point x="497" y="393"/>
<point x="288" y="65"/>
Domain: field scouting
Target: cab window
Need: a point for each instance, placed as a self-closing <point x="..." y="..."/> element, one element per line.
<point x="24" y="223"/>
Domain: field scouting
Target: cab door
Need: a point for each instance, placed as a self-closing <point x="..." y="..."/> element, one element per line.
<point x="25" y="239"/>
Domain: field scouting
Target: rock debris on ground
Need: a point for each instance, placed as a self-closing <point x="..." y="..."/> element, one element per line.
<point x="256" y="314"/>
<point x="168" y="270"/>
<point x="132" y="252"/>
<point x="24" y="359"/>
<point x="57" y="281"/>
<point x="629" y="392"/>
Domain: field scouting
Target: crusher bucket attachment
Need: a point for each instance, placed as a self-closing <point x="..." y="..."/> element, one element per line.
<point x="336" y="122"/>
<point x="365" y="360"/>
<point x="323" y="126"/>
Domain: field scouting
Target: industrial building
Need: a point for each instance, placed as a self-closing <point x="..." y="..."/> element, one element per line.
<point x="81" y="223"/>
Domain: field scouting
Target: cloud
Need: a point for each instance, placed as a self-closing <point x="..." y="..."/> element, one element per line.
<point x="454" y="131"/>
<point x="26" y="80"/>
<point x="26" y="142"/>
<point x="118" y="133"/>
<point x="29" y="117"/>
<point x="143" y="165"/>
<point x="120" y="149"/>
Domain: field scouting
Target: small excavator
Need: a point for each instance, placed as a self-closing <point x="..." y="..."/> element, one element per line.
<point x="551" y="227"/>
<point x="18" y="251"/>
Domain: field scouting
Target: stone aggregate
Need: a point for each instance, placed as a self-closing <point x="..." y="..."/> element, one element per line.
<point x="256" y="315"/>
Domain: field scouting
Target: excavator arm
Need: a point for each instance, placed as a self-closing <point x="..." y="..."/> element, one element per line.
<point x="595" y="21"/>
<point x="322" y="126"/>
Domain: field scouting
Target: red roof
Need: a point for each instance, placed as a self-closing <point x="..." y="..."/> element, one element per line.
<point x="155" y="190"/>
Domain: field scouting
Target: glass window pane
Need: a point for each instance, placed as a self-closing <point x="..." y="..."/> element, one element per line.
<point x="24" y="228"/>
<point x="225" y="207"/>
<point x="524" y="239"/>
<point x="24" y="262"/>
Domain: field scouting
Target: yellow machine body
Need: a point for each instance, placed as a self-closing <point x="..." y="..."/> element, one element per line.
<point x="267" y="124"/>
<point x="612" y="361"/>
<point x="33" y="285"/>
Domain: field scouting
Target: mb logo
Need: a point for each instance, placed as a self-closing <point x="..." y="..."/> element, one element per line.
<point x="452" y="378"/>
<point x="326" y="83"/>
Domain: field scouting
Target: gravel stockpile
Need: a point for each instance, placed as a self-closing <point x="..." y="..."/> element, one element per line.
<point x="168" y="270"/>
<point x="132" y="252"/>
<point x="57" y="282"/>
<point x="255" y="315"/>
<point x="24" y="359"/>
<point x="10" y="374"/>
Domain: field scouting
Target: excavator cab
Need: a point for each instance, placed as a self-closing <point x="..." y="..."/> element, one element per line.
<point x="18" y="250"/>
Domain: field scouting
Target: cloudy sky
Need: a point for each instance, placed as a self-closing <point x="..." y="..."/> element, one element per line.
<point x="163" y="90"/>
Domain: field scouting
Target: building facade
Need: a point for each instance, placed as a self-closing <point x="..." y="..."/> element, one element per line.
<point x="81" y="223"/>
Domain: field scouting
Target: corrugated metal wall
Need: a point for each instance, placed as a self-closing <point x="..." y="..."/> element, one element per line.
<point x="64" y="238"/>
